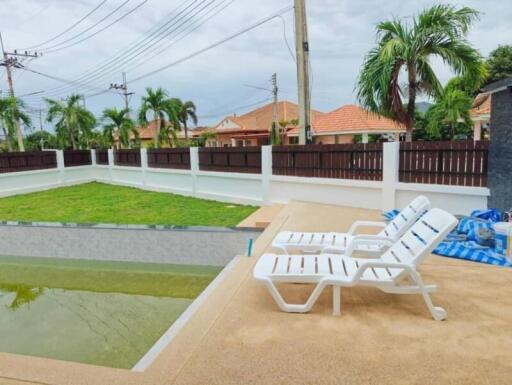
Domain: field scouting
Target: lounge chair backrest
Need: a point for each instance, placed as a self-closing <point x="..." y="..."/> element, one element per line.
<point x="410" y="214"/>
<point x="421" y="238"/>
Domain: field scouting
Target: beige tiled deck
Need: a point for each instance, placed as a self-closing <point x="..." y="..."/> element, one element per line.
<point x="240" y="337"/>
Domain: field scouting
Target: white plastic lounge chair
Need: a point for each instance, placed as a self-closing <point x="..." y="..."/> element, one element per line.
<point x="286" y="241"/>
<point x="386" y="273"/>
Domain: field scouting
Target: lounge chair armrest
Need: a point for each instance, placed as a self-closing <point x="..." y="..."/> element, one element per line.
<point x="381" y="264"/>
<point x="357" y="224"/>
<point x="368" y="240"/>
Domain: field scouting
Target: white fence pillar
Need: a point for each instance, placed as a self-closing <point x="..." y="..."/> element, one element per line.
<point x="194" y="168"/>
<point x="144" y="164"/>
<point x="266" y="173"/>
<point x="391" y="153"/>
<point x="93" y="157"/>
<point x="110" y="162"/>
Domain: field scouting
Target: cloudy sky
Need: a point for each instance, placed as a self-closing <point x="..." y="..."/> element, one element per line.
<point x="153" y="33"/>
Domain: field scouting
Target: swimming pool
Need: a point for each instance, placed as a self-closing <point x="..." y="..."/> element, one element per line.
<point x="93" y="312"/>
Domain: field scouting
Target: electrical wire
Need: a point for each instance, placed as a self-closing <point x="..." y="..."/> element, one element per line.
<point x="121" y="63"/>
<point x="234" y="109"/>
<point x="138" y="47"/>
<point x="285" y="37"/>
<point x="115" y="10"/>
<point x="101" y="29"/>
<point x="67" y="29"/>
<point x="214" y="45"/>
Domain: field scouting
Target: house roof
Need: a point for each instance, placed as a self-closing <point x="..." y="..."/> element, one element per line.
<point x="352" y="119"/>
<point x="498" y="86"/>
<point x="481" y="106"/>
<point x="261" y="119"/>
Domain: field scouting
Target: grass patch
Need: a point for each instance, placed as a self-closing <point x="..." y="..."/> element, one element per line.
<point x="154" y="279"/>
<point x="103" y="203"/>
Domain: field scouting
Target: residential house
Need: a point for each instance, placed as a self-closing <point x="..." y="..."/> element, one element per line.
<point x="481" y="115"/>
<point x="253" y="128"/>
<point x="342" y="124"/>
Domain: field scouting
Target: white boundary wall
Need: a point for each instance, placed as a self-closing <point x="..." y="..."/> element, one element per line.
<point x="257" y="189"/>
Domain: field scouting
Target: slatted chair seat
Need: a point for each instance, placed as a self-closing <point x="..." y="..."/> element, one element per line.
<point x="385" y="273"/>
<point x="333" y="242"/>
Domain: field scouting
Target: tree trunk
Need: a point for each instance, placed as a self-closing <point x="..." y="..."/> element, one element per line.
<point x="411" y="104"/>
<point x="21" y="145"/>
<point x="185" y="128"/>
<point x="71" y="136"/>
<point x="157" y="131"/>
<point x="7" y="138"/>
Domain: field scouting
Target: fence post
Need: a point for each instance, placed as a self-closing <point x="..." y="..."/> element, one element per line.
<point x="110" y="162"/>
<point x="390" y="164"/>
<point x="93" y="157"/>
<point x="144" y="164"/>
<point x="59" y="154"/>
<point x="194" y="168"/>
<point x="266" y="173"/>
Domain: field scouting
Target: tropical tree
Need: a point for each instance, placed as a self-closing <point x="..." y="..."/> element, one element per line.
<point x="449" y="116"/>
<point x="408" y="49"/>
<point x="155" y="102"/>
<point x="174" y="108"/>
<point x="38" y="140"/>
<point x="74" y="124"/>
<point x="11" y="114"/>
<point x="118" y="122"/>
<point x="188" y="110"/>
<point x="500" y="63"/>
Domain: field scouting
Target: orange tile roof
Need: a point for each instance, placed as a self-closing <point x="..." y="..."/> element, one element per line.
<point x="353" y="119"/>
<point x="481" y="106"/>
<point x="261" y="118"/>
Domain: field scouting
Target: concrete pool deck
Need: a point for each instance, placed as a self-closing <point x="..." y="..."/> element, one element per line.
<point x="239" y="336"/>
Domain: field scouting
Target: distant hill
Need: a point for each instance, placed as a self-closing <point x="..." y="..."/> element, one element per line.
<point x="423" y="106"/>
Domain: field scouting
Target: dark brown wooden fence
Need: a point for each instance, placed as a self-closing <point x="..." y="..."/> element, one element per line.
<point x="343" y="161"/>
<point x="25" y="161"/>
<point x="130" y="158"/>
<point x="460" y="163"/>
<point x="176" y="158"/>
<point x="230" y="159"/>
<point x="102" y="157"/>
<point x="74" y="158"/>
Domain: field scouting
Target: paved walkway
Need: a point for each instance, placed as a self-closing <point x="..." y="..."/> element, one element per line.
<point x="240" y="337"/>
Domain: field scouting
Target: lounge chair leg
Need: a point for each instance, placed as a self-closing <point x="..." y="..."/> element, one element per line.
<point x="438" y="313"/>
<point x="336" y="300"/>
<point x="294" y="308"/>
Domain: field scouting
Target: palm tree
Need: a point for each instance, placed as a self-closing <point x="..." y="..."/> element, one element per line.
<point x="74" y="122"/>
<point x="154" y="101"/>
<point x="10" y="116"/>
<point x="451" y="111"/>
<point x="437" y="32"/>
<point x="188" y="110"/>
<point x="120" y="122"/>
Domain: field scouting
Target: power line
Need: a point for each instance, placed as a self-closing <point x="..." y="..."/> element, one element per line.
<point x="220" y="42"/>
<point x="62" y="80"/>
<point x="114" y="64"/>
<point x="101" y="29"/>
<point x="88" y="28"/>
<point x="215" y="115"/>
<point x="69" y="28"/>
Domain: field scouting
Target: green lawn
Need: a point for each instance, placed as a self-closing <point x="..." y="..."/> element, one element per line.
<point x="103" y="203"/>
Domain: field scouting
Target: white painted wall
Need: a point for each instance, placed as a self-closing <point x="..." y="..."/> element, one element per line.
<point x="257" y="189"/>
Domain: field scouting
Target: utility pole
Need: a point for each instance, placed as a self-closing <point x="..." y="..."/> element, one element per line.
<point x="302" y="52"/>
<point x="275" y="117"/>
<point x="10" y="60"/>
<point x="124" y="91"/>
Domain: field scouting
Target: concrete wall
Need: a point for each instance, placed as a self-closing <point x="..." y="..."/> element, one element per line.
<point x="257" y="189"/>
<point x="192" y="245"/>
<point x="500" y="150"/>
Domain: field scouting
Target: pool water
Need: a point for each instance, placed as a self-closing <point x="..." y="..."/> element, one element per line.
<point x="101" y="313"/>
